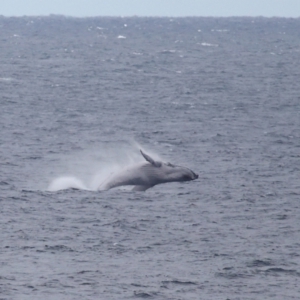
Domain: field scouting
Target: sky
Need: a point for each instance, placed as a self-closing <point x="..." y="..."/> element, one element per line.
<point x="170" y="8"/>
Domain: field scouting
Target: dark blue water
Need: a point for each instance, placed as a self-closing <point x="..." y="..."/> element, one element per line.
<point x="218" y="95"/>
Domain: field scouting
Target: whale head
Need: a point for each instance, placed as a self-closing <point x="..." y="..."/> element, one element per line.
<point x="170" y="172"/>
<point x="178" y="173"/>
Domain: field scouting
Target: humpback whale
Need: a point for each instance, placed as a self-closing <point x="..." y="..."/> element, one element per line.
<point x="147" y="174"/>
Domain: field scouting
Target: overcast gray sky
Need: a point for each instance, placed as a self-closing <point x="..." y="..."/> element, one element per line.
<point x="83" y="8"/>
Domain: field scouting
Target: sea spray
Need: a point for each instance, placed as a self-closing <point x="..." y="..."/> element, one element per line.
<point x="88" y="169"/>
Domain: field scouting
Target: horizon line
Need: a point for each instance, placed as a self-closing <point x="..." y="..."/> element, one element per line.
<point x="144" y="16"/>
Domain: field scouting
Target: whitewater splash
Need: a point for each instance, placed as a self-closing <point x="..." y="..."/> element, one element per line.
<point x="73" y="182"/>
<point x="93" y="168"/>
<point x="65" y="182"/>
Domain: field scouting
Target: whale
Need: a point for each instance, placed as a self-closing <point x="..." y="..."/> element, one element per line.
<point x="147" y="174"/>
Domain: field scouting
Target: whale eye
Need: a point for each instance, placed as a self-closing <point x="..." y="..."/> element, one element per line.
<point x="170" y="165"/>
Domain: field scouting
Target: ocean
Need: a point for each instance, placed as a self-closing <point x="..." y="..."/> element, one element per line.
<point x="81" y="96"/>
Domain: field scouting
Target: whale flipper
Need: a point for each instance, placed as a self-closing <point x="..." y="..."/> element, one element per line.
<point x="141" y="188"/>
<point x="151" y="160"/>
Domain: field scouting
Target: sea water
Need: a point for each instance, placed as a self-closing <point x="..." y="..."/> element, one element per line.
<point x="79" y="98"/>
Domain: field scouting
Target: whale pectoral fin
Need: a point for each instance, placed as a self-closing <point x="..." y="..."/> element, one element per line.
<point x="151" y="160"/>
<point x="141" y="188"/>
